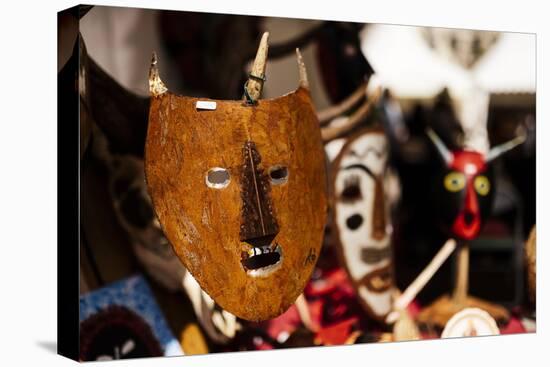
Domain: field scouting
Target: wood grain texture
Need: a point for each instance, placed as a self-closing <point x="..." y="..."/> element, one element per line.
<point x="463" y="268"/>
<point x="203" y="223"/>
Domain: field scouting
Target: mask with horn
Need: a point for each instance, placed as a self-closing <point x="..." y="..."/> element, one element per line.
<point x="465" y="187"/>
<point x="239" y="189"/>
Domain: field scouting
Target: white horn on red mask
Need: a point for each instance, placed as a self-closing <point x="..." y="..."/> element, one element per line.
<point x="497" y="151"/>
<point x="444" y="152"/>
<point x="156" y="86"/>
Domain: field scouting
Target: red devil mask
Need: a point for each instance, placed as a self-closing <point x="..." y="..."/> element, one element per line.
<point x="464" y="190"/>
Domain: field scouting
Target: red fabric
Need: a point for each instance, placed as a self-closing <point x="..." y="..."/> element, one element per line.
<point x="336" y="334"/>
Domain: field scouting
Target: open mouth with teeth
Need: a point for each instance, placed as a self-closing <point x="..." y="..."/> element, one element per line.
<point x="261" y="260"/>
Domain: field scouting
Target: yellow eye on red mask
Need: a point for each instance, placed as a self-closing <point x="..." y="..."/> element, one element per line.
<point x="482" y="185"/>
<point x="454" y="181"/>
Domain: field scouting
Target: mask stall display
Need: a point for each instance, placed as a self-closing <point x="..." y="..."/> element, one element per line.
<point x="234" y="184"/>
<point x="464" y="200"/>
<point x="220" y="204"/>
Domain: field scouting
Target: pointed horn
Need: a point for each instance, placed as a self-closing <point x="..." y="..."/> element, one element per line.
<point x="256" y="79"/>
<point x="304" y="83"/>
<point x="332" y="132"/>
<point x="156" y="86"/>
<point x="445" y="153"/>
<point x="497" y="151"/>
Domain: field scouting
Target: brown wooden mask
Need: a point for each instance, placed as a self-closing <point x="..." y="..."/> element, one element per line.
<point x="361" y="218"/>
<point x="240" y="192"/>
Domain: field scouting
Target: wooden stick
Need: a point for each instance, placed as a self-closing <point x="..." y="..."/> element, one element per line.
<point x="463" y="265"/>
<point x="331" y="112"/>
<point x="416" y="286"/>
<point x="405" y="328"/>
<point x="303" y="312"/>
<point x="332" y="132"/>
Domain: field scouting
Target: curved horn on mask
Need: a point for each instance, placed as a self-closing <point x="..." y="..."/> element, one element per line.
<point x="332" y="132"/>
<point x="304" y="83"/>
<point x="326" y="115"/>
<point x="256" y="78"/>
<point x="156" y="86"/>
<point x="445" y="153"/>
<point x="497" y="151"/>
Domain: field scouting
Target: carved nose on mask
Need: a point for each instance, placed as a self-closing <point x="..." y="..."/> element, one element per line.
<point x="379" y="212"/>
<point x="258" y="223"/>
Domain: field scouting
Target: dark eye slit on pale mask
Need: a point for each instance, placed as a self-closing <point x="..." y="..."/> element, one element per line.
<point x="352" y="189"/>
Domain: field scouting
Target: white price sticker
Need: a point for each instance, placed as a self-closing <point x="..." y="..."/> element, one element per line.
<point x="206" y="105"/>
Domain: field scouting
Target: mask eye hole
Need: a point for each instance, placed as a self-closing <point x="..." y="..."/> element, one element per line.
<point x="352" y="189"/>
<point x="454" y="181"/>
<point x="482" y="185"/>
<point x="354" y="222"/>
<point x="278" y="174"/>
<point x="217" y="178"/>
